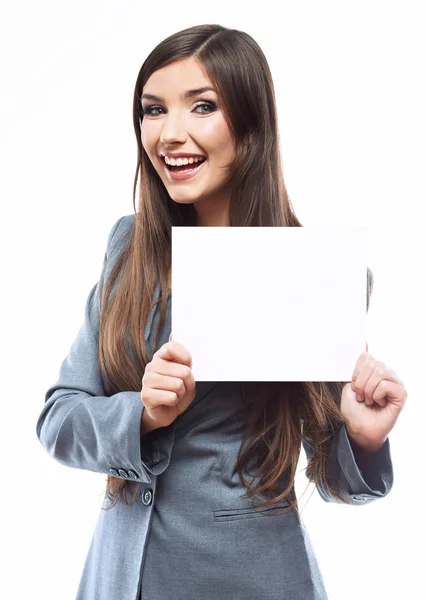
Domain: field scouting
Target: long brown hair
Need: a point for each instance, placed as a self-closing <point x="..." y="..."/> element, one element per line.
<point x="275" y="427"/>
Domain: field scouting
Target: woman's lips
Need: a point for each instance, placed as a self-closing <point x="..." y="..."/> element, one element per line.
<point x="178" y="175"/>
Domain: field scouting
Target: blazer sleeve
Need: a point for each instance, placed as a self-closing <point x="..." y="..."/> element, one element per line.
<point x="357" y="483"/>
<point x="83" y="428"/>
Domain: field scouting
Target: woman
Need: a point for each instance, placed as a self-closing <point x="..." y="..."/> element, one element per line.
<point x="200" y="499"/>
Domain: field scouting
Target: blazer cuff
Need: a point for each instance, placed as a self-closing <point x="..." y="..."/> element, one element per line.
<point x="371" y="481"/>
<point x="156" y="447"/>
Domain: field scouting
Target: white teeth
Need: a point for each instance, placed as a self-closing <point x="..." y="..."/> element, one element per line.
<point x="182" y="161"/>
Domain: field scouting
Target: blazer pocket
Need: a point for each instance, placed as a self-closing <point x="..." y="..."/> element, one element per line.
<point x="233" y="514"/>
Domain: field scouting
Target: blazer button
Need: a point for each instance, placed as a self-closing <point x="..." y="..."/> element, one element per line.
<point x="147" y="497"/>
<point x="123" y="473"/>
<point x="132" y="474"/>
<point x="114" y="472"/>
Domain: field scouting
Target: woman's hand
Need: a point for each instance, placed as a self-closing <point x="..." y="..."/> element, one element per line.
<point x="168" y="386"/>
<point x="372" y="402"/>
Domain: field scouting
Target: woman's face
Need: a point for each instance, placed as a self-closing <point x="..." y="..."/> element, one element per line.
<point x="174" y="124"/>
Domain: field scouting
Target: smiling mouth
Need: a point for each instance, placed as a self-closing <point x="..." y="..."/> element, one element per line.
<point x="188" y="167"/>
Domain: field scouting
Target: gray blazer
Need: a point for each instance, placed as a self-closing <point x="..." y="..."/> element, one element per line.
<point x="190" y="534"/>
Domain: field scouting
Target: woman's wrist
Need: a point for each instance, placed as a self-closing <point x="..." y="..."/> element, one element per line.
<point x="147" y="424"/>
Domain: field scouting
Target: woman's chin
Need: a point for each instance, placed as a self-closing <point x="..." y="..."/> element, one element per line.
<point x="183" y="198"/>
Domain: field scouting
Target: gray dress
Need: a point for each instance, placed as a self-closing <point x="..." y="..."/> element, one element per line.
<point x="190" y="534"/>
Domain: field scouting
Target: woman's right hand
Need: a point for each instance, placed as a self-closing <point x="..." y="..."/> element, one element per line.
<point x="168" y="386"/>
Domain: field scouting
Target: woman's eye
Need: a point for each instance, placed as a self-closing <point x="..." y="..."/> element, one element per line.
<point x="147" y="110"/>
<point x="210" y="105"/>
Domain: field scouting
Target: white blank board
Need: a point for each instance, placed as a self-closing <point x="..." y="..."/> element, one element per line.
<point x="270" y="303"/>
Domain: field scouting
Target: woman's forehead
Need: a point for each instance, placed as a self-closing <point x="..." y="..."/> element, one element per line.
<point x="182" y="78"/>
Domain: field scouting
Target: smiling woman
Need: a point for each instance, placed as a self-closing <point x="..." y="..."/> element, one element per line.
<point x="188" y="121"/>
<point x="200" y="500"/>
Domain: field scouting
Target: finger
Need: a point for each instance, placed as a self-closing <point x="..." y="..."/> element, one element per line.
<point x="379" y="373"/>
<point x="173" y="369"/>
<point x="367" y="348"/>
<point x="174" y="351"/>
<point x="361" y="376"/>
<point x="170" y="337"/>
<point x="393" y="392"/>
<point x="358" y="396"/>
<point x="157" y="398"/>
<point x="157" y="381"/>
<point x="362" y="360"/>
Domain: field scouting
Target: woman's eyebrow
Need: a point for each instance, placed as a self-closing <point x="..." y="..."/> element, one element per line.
<point x="186" y="95"/>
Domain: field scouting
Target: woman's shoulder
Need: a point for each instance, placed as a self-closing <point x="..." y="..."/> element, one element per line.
<point x="120" y="232"/>
<point x="117" y="241"/>
<point x="128" y="221"/>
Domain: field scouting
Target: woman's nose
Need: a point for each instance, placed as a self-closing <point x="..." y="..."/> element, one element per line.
<point x="174" y="130"/>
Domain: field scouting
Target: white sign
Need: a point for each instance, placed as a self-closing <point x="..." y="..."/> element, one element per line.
<point x="270" y="303"/>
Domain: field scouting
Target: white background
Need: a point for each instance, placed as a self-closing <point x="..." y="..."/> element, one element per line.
<point x="350" y="81"/>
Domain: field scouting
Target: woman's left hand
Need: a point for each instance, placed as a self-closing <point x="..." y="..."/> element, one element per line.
<point x="371" y="402"/>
